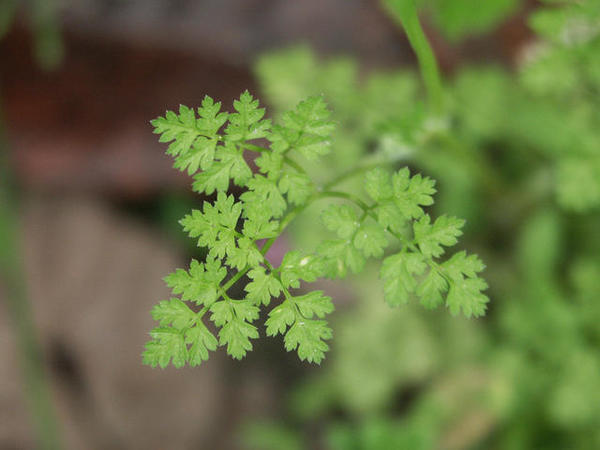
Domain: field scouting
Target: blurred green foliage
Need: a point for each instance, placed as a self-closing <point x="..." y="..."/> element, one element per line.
<point x="460" y="18"/>
<point x="516" y="152"/>
<point x="42" y="18"/>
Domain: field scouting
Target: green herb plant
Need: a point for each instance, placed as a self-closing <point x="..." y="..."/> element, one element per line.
<point x="215" y="147"/>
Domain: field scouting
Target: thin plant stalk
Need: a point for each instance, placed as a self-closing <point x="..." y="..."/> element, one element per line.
<point x="404" y="12"/>
<point x="14" y="293"/>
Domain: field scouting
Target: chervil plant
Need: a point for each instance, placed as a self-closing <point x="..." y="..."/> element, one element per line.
<point x="215" y="147"/>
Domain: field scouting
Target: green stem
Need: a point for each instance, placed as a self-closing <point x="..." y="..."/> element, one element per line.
<point x="290" y="162"/>
<point x="352" y="173"/>
<point x="361" y="204"/>
<point x="8" y="9"/>
<point x="234" y="279"/>
<point x="49" y="47"/>
<point x="201" y="313"/>
<point x="36" y="389"/>
<point x="268" y="264"/>
<point x="404" y="12"/>
<point x="254" y="148"/>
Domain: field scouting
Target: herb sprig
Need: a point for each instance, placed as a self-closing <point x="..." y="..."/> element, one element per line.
<point x="212" y="145"/>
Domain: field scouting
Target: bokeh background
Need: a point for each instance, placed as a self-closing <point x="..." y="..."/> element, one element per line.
<point x="89" y="227"/>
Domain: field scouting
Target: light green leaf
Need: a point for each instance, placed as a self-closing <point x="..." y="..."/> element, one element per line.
<point x="194" y="140"/>
<point x="221" y="312"/>
<point x="432" y="289"/>
<point x="228" y="210"/>
<point x="202" y="341"/>
<point x="215" y="178"/>
<point x="298" y="266"/>
<point x="270" y="163"/>
<point x="411" y="193"/>
<point x="308" y="336"/>
<point x="181" y="129"/>
<point x="226" y="311"/>
<point x="460" y="264"/>
<point x="280" y="318"/>
<point x="262" y="287"/>
<point x="167" y="345"/>
<point x="430" y="238"/>
<point x="224" y="245"/>
<point x="245" y="124"/>
<point x="229" y="164"/>
<point x="198" y="285"/>
<point x="390" y="216"/>
<point x="341" y="219"/>
<point x="398" y="273"/>
<point x="245" y="310"/>
<point x="314" y="304"/>
<point x="305" y="129"/>
<point x="370" y="239"/>
<point x="466" y="288"/>
<point x="200" y="155"/>
<point x="246" y="254"/>
<point x="297" y="186"/>
<point x="339" y="256"/>
<point x="173" y="312"/>
<point x="263" y="198"/>
<point x="467" y="296"/>
<point x="236" y="335"/>
<point x="259" y="226"/>
<point x="378" y="184"/>
<point x="231" y="157"/>
<point x="211" y="119"/>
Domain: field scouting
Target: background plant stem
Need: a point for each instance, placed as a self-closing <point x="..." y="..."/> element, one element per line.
<point x="14" y="293"/>
<point x="404" y="12"/>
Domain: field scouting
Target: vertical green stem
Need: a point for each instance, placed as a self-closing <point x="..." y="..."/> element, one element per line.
<point x="14" y="292"/>
<point x="405" y="13"/>
<point x="49" y="47"/>
<point x="8" y="8"/>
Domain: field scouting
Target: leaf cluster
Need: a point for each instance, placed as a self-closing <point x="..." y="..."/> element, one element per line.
<point x="215" y="147"/>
